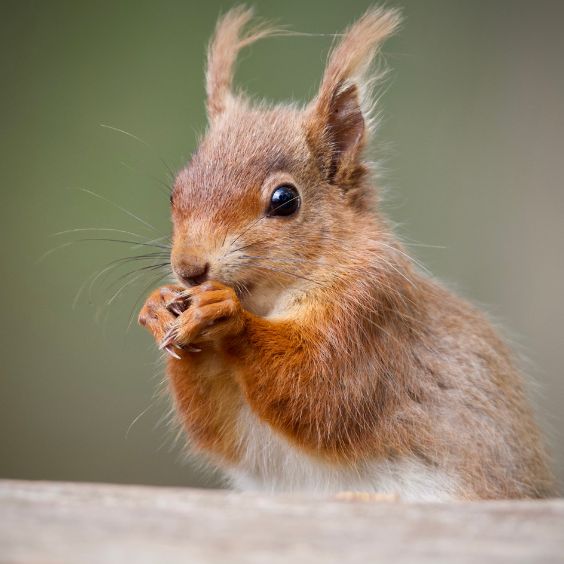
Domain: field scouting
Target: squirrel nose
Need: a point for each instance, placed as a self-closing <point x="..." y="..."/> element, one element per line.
<point x="192" y="270"/>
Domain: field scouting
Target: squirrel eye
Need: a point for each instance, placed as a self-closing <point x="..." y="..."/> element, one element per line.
<point x="285" y="200"/>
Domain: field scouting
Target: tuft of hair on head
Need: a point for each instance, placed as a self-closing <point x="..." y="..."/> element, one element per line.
<point x="232" y="33"/>
<point x="338" y="116"/>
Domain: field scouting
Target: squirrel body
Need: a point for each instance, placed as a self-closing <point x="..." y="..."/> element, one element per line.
<point x="307" y="350"/>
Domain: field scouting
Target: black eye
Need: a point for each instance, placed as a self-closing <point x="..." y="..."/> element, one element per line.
<point x="285" y="200"/>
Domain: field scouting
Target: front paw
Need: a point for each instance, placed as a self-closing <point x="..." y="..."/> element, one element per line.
<point x="161" y="310"/>
<point x="214" y="312"/>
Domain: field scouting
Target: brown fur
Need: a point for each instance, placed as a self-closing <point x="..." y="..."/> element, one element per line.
<point x="332" y="337"/>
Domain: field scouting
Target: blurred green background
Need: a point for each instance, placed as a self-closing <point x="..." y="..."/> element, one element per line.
<point x="472" y="138"/>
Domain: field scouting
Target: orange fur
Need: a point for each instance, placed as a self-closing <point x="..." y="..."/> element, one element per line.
<point x="319" y="323"/>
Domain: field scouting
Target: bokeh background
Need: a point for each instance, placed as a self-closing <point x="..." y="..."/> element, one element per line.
<point x="473" y="141"/>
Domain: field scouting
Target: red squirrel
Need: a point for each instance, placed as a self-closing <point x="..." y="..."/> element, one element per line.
<point x="307" y="350"/>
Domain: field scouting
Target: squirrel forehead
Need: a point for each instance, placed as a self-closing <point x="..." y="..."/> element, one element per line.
<point x="243" y="148"/>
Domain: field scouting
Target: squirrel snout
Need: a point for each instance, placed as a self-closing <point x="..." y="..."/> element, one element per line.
<point x="192" y="269"/>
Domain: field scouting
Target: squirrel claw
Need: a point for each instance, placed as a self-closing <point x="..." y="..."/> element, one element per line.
<point x="172" y="353"/>
<point x="174" y="307"/>
<point x="168" y="339"/>
<point x="168" y="343"/>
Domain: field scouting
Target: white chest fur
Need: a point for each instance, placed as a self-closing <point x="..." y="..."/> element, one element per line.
<point x="272" y="464"/>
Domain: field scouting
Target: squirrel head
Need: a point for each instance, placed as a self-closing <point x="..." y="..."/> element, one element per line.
<point x="269" y="187"/>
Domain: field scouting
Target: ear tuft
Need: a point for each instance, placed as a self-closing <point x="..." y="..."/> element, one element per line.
<point x="337" y="123"/>
<point x="229" y="38"/>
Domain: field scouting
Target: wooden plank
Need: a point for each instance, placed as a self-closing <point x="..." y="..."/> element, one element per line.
<point x="94" y="523"/>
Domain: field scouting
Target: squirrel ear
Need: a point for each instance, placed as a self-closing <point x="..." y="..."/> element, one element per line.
<point x="337" y="120"/>
<point x="228" y="39"/>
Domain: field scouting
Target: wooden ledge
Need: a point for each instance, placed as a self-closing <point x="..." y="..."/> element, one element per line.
<point x="95" y="523"/>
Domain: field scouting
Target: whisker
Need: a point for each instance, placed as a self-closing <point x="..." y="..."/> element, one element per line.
<point x="99" y="273"/>
<point x="113" y="265"/>
<point x="121" y="208"/>
<point x="245" y="246"/>
<point x="308" y="261"/>
<point x="53" y="250"/>
<point x="135" y="419"/>
<point x="124" y="286"/>
<point x="118" y="130"/>
<point x="141" y="272"/>
<point x="80" y="229"/>
<point x="286" y="272"/>
<point x="168" y="242"/>
<point x="425" y="245"/>
<point x="135" y="270"/>
<point x="143" y="142"/>
<point x="162" y="185"/>
<point x="124" y="241"/>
